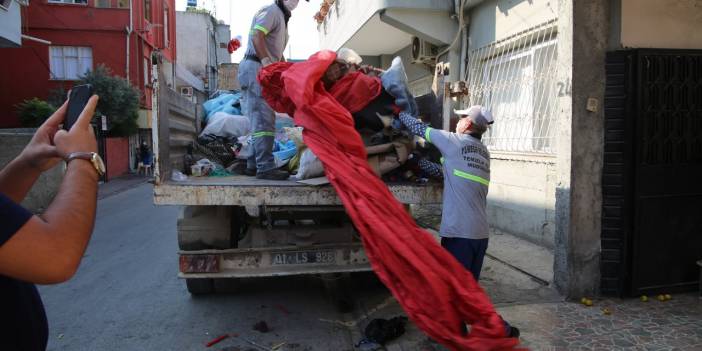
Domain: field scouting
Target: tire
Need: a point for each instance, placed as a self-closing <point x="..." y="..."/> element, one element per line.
<point x="199" y="286"/>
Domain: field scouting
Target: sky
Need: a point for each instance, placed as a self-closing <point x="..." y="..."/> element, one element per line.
<point x="304" y="39"/>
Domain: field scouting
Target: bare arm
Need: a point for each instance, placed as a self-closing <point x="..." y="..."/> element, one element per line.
<point x="259" y="42"/>
<point x="38" y="156"/>
<point x="48" y="248"/>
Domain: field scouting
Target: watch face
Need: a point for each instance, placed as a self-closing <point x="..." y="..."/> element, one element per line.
<point x="97" y="161"/>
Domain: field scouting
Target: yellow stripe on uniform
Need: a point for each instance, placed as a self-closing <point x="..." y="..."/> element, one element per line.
<point x="262" y="134"/>
<point x="262" y="29"/>
<point x="426" y="134"/>
<point x="469" y="176"/>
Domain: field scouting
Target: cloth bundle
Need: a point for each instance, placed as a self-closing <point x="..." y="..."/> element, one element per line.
<point x="437" y="293"/>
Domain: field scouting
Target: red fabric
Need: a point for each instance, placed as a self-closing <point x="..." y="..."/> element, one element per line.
<point x="355" y="90"/>
<point x="433" y="288"/>
<point x="233" y="45"/>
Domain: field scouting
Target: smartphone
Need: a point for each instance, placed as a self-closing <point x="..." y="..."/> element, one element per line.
<point x="77" y="100"/>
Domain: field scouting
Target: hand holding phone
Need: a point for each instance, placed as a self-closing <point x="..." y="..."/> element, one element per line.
<point x="77" y="100"/>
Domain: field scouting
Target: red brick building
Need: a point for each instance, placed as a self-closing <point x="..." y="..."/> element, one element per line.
<point x="78" y="35"/>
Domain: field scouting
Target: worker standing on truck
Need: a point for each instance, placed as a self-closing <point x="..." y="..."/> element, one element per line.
<point x="267" y="40"/>
<point x="466" y="171"/>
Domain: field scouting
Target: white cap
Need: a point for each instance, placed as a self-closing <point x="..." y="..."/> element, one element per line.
<point x="478" y="114"/>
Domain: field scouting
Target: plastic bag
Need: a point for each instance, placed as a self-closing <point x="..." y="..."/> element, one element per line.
<point x="178" y="176"/>
<point x="204" y="167"/>
<point x="282" y="121"/>
<point x="246" y="147"/>
<point x="228" y="126"/>
<point x="227" y="103"/>
<point x="310" y="166"/>
<point x="283" y="152"/>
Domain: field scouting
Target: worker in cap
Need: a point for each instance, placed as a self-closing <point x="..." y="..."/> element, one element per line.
<point x="465" y="169"/>
<point x="267" y="40"/>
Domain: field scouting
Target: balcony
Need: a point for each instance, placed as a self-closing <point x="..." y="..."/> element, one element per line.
<point x="386" y="26"/>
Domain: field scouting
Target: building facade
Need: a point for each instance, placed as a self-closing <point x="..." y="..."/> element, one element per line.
<point x="541" y="67"/>
<point x="78" y="35"/>
<point x="203" y="47"/>
<point x="10" y="24"/>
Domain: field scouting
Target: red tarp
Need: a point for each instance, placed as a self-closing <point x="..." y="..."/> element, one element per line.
<point x="435" y="291"/>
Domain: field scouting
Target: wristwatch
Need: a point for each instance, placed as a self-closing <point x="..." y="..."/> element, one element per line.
<point x="93" y="157"/>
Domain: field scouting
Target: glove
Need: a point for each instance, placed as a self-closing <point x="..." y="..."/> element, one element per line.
<point x="266" y="61"/>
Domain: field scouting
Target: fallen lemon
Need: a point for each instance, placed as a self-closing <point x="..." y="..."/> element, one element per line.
<point x="588" y="302"/>
<point x="661" y="297"/>
<point x="644" y="298"/>
<point x="606" y="311"/>
<point x="668" y="297"/>
<point x="583" y="300"/>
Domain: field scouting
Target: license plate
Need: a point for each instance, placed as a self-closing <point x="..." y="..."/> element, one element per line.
<point x="303" y="257"/>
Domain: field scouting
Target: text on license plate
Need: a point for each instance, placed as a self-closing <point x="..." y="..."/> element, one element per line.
<point x="303" y="257"/>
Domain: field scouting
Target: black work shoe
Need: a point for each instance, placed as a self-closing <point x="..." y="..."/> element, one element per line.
<point x="513" y="332"/>
<point x="273" y="174"/>
<point x="250" y="172"/>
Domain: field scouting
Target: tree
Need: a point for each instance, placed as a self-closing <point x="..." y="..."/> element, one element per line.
<point x="33" y="112"/>
<point x="119" y="100"/>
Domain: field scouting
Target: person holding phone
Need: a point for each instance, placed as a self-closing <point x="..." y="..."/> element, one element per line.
<point x="45" y="248"/>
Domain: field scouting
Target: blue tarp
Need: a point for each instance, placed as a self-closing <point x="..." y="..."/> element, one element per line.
<point x="227" y="103"/>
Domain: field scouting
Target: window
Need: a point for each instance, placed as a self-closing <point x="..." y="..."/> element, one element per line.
<point x="103" y="3"/>
<point x="70" y="62"/>
<point x="147" y="68"/>
<point x="166" y="30"/>
<point x="147" y="10"/>
<point x="516" y="79"/>
<point x="79" y="2"/>
<point x="5" y="4"/>
<point x="117" y="4"/>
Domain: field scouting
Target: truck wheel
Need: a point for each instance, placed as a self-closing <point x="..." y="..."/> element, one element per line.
<point x="199" y="286"/>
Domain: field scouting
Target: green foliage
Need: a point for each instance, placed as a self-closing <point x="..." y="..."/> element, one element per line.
<point x="57" y="96"/>
<point x="119" y="100"/>
<point x="33" y="112"/>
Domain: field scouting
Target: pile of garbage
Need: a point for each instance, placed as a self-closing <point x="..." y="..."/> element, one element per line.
<point x="226" y="141"/>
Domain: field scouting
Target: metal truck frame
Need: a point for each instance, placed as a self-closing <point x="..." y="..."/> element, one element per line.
<point x="238" y="226"/>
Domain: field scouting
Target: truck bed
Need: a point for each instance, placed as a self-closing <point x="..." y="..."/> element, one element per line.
<point x="249" y="191"/>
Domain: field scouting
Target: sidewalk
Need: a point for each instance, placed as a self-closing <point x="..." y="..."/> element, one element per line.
<point x="517" y="276"/>
<point x="120" y="184"/>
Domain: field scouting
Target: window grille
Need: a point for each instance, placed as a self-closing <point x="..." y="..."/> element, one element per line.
<point x="516" y="78"/>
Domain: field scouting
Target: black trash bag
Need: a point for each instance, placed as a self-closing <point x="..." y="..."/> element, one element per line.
<point x="382" y="330"/>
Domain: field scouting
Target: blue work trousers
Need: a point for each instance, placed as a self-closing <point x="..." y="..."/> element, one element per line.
<point x="261" y="116"/>
<point x="471" y="254"/>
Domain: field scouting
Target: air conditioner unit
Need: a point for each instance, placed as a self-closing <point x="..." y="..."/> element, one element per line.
<point x="423" y="51"/>
<point x="186" y="91"/>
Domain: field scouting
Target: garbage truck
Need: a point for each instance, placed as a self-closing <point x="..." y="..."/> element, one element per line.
<point x="235" y="227"/>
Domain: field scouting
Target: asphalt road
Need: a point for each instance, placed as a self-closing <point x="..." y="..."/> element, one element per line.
<point x="126" y="295"/>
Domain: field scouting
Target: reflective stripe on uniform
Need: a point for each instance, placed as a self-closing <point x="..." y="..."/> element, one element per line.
<point x="469" y="176"/>
<point x="426" y="134"/>
<point x="262" y="29"/>
<point x="441" y="160"/>
<point x="262" y="134"/>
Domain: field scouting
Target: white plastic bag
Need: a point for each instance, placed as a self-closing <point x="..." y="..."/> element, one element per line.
<point x="178" y="176"/>
<point x="228" y="126"/>
<point x="310" y="166"/>
<point x="246" y="147"/>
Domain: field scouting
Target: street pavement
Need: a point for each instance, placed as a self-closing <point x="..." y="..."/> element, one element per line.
<point x="126" y="296"/>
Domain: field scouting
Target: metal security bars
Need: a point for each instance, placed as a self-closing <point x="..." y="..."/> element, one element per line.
<point x="516" y="78"/>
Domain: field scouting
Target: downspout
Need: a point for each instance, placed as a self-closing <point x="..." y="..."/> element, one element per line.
<point x="464" y="51"/>
<point x="129" y="35"/>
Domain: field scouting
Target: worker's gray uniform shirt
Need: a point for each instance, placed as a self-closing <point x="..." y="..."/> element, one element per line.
<point x="466" y="169"/>
<point x="269" y="20"/>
